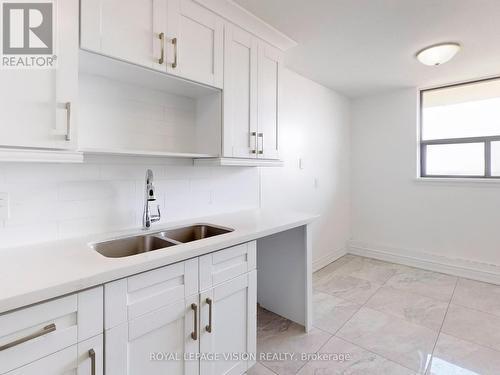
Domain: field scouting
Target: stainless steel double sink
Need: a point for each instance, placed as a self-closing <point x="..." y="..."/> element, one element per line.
<point x="127" y="246"/>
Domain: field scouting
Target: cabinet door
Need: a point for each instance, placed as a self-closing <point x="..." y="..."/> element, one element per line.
<point x="232" y="329"/>
<point x="91" y="356"/>
<point x="240" y="93"/>
<point x="38" y="105"/>
<point x="196" y="41"/>
<point x="270" y="67"/>
<point x="155" y="343"/>
<point x="126" y="29"/>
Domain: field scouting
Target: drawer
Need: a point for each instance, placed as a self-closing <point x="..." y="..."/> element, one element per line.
<point x="129" y="298"/>
<point x="223" y="265"/>
<point x="37" y="331"/>
<point x="76" y="359"/>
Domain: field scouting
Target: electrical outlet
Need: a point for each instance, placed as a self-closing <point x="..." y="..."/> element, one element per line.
<point x="4" y="206"/>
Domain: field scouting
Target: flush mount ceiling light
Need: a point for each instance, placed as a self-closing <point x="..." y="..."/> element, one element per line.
<point x="438" y="54"/>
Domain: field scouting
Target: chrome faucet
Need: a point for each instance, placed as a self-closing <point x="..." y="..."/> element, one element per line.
<point x="148" y="218"/>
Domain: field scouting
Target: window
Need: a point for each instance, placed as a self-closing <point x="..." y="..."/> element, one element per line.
<point x="460" y="130"/>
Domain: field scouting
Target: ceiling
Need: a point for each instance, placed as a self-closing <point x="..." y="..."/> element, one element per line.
<point x="362" y="47"/>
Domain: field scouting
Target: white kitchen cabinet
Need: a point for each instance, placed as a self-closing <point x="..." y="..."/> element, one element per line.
<point x="176" y="36"/>
<point x="196" y="36"/>
<point x="38" y="105"/>
<point x="224" y="265"/>
<point x="37" y="333"/>
<point x="140" y="346"/>
<point x="252" y="73"/>
<point x="156" y="321"/>
<point x="240" y="93"/>
<point x="270" y="71"/>
<point x="229" y="325"/>
<point x="128" y="30"/>
<point x="85" y="358"/>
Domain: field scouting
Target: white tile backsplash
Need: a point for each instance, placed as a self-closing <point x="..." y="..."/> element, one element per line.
<point x="56" y="201"/>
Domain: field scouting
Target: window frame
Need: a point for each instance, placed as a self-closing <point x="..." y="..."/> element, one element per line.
<point x="486" y="140"/>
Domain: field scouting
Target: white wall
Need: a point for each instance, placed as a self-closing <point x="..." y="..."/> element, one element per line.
<point x="447" y="223"/>
<point x="53" y="201"/>
<point x="315" y="127"/>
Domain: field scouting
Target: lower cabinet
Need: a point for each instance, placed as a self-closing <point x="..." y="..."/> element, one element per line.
<point x="85" y="358"/>
<point x="60" y="336"/>
<point x="229" y="326"/>
<point x="155" y="343"/>
<point x="166" y="329"/>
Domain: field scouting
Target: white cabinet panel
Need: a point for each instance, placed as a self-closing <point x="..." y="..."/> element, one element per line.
<point x="128" y="30"/>
<point x="232" y="328"/>
<point x="252" y="74"/>
<point x="91" y="356"/>
<point x="86" y="358"/>
<point x="37" y="331"/>
<point x="60" y="363"/>
<point x="38" y="105"/>
<point x="240" y="93"/>
<point x="129" y="298"/>
<point x="223" y="265"/>
<point x="44" y="329"/>
<point x="270" y="67"/>
<point x="198" y="50"/>
<point x="90" y="313"/>
<point x="130" y="346"/>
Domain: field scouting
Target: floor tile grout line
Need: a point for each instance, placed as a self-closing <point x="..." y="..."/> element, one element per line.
<point x="442" y="324"/>
<point x="476" y="310"/>
<point x="377" y="354"/>
<point x="472" y="342"/>
<point x="369" y="298"/>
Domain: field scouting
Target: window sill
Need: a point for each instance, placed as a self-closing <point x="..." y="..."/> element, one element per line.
<point x="457" y="181"/>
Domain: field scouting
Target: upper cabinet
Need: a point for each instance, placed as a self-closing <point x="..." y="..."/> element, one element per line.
<point x="38" y="105"/>
<point x="270" y="71"/>
<point x="196" y="35"/>
<point x="176" y="36"/>
<point x="240" y="93"/>
<point x="123" y="29"/>
<point x="252" y="73"/>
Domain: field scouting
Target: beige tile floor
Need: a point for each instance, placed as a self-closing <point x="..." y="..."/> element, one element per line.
<point x="373" y="317"/>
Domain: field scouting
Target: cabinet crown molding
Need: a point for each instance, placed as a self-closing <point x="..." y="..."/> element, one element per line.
<point x="250" y="22"/>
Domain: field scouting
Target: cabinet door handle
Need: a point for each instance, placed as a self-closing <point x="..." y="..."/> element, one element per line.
<point x="174" y="43"/>
<point x="208" y="328"/>
<point x="256" y="145"/>
<point x="92" y="361"/>
<point x="68" y="121"/>
<point x="161" y="60"/>
<point x="45" y="330"/>
<point x="194" y="334"/>
<point x="261" y="151"/>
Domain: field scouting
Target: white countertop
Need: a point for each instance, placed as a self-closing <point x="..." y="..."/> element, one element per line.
<point x="38" y="272"/>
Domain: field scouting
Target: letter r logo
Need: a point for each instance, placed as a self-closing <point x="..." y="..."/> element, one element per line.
<point x="27" y="28"/>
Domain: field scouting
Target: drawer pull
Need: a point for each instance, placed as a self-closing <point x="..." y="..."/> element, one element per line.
<point x="45" y="330"/>
<point x="92" y="361"/>
<point x="208" y="328"/>
<point x="161" y="60"/>
<point x="194" y="334"/>
<point x="68" y="121"/>
<point x="174" y="43"/>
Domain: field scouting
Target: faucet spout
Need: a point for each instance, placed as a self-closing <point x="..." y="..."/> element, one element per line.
<point x="149" y="196"/>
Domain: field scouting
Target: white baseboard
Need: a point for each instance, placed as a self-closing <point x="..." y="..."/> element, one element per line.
<point x="489" y="273"/>
<point x="327" y="259"/>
